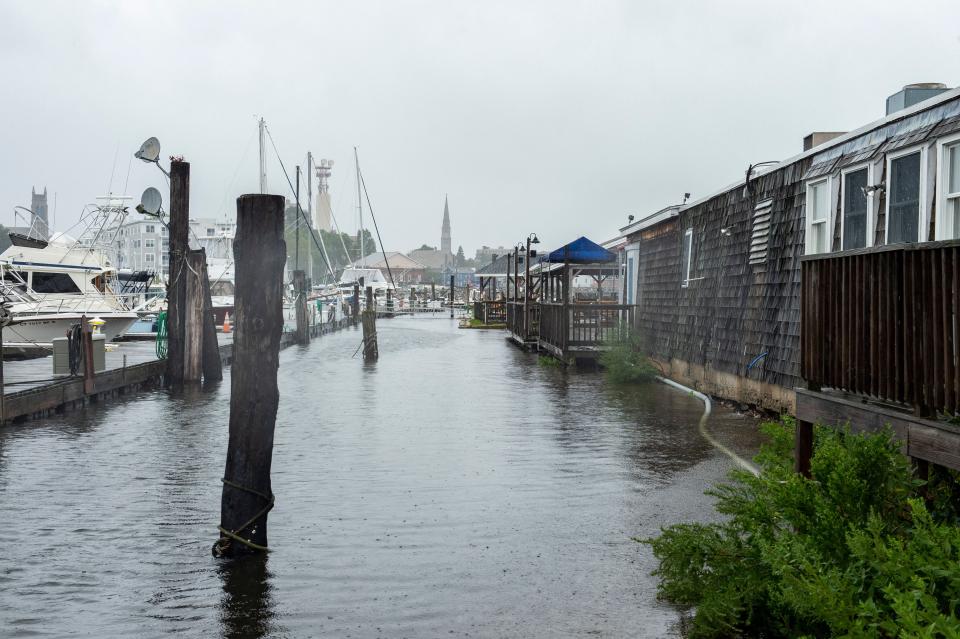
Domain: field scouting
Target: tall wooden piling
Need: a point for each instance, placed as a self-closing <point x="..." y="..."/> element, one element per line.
<point x="177" y="287"/>
<point x="300" y="290"/>
<point x="212" y="366"/>
<point x="194" y="318"/>
<point x="433" y="291"/>
<point x="355" y="307"/>
<point x="371" y="351"/>
<point x="86" y="335"/>
<point x="451" y="296"/>
<point x="259" y="254"/>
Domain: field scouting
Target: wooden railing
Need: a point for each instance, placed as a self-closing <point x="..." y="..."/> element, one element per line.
<point x="490" y="311"/>
<point x="883" y="322"/>
<point x="581" y="325"/>
<point x="515" y="320"/>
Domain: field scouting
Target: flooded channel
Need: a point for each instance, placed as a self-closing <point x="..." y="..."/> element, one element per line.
<point x="454" y="488"/>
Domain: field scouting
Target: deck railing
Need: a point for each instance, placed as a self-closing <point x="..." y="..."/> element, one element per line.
<point x="490" y="311"/>
<point x="581" y="325"/>
<point x="515" y="319"/>
<point x="883" y="322"/>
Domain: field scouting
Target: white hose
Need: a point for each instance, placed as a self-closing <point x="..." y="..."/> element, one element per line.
<point x="707" y="407"/>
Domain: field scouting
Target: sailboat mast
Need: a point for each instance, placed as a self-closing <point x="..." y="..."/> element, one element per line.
<point x="263" y="159"/>
<point x="356" y="160"/>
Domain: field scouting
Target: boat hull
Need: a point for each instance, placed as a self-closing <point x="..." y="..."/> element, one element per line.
<point x="41" y="330"/>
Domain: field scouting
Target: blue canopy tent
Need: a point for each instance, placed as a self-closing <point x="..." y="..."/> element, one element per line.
<point x="580" y="251"/>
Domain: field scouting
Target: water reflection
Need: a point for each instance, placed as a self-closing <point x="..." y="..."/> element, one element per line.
<point x="246" y="606"/>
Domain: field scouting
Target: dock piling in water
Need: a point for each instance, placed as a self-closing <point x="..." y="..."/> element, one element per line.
<point x="177" y="288"/>
<point x="259" y="254"/>
<point x="371" y="351"/>
<point x="300" y="293"/>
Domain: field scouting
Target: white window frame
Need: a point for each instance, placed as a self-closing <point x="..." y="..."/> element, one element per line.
<point x="871" y="223"/>
<point x="688" y="267"/>
<point x="149" y="258"/>
<point x="808" y="218"/>
<point x="149" y="243"/>
<point x="923" y="222"/>
<point x="940" y="232"/>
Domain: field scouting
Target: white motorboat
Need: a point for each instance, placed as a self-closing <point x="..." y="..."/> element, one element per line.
<point x="49" y="285"/>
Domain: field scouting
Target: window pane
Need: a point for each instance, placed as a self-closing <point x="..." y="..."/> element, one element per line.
<point x="952" y="221"/>
<point x="820" y="201"/>
<point x="904" y="196"/>
<point x="854" y="210"/>
<point x="685" y="256"/>
<point x="953" y="168"/>
<point x="54" y="283"/>
<point x="818" y="234"/>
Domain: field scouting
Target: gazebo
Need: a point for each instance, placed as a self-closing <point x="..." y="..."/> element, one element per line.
<point x="578" y="309"/>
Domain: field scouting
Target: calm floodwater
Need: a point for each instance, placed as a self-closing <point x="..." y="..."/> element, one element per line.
<point x="455" y="488"/>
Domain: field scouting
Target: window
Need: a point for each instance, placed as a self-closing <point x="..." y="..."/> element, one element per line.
<point x="948" y="226"/>
<point x="686" y="257"/>
<point x="136" y="244"/>
<point x="904" y="191"/>
<point x="54" y="283"/>
<point x="855" y="209"/>
<point x="166" y="243"/>
<point x="148" y="258"/>
<point x="211" y="231"/>
<point x="149" y="243"/>
<point x="818" y="216"/>
<point x="148" y="228"/>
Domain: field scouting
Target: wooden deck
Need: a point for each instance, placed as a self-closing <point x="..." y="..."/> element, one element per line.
<point x="879" y="333"/>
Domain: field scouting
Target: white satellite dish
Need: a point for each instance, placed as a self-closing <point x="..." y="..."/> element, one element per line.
<point x="149" y="150"/>
<point x="150" y="202"/>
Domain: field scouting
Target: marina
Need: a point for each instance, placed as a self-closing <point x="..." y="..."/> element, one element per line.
<point x="457" y="514"/>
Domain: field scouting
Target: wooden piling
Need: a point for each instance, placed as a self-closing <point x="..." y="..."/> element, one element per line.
<point x="433" y="291"/>
<point x="451" y="296"/>
<point x="177" y="287"/>
<point x="86" y="335"/>
<point x="212" y="366"/>
<point x="259" y="254"/>
<point x="300" y="290"/>
<point x="371" y="351"/>
<point x="194" y="318"/>
<point x="355" y="306"/>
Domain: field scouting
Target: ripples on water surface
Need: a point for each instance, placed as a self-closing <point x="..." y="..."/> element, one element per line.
<point x="453" y="488"/>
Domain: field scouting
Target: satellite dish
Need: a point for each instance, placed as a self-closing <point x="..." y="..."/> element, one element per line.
<point x="150" y="201"/>
<point x="149" y="150"/>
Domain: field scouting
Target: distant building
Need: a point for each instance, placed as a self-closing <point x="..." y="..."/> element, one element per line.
<point x="485" y="255"/>
<point x="446" y="243"/>
<point x="405" y="270"/>
<point x="323" y="213"/>
<point x="38" y="204"/>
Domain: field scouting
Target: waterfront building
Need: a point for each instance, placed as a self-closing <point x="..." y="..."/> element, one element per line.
<point x="404" y="269"/>
<point x="717" y="281"/>
<point x="485" y="254"/>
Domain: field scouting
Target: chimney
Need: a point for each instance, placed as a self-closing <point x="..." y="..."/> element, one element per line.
<point x="914" y="93"/>
<point x="819" y="137"/>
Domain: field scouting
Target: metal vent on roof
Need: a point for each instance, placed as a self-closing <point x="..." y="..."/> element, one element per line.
<point x="760" y="234"/>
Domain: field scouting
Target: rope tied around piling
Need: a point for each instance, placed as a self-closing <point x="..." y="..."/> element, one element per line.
<point x="221" y="545"/>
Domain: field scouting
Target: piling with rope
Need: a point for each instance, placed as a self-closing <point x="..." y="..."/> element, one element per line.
<point x="259" y="254"/>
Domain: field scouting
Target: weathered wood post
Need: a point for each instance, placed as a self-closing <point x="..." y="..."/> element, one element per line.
<point x="300" y="290"/>
<point x="370" y="350"/>
<point x="451" y="296"/>
<point x="259" y="253"/>
<point x="212" y="366"/>
<point x="177" y="283"/>
<point x="433" y="291"/>
<point x="86" y="334"/>
<point x="355" y="306"/>
<point x="194" y="319"/>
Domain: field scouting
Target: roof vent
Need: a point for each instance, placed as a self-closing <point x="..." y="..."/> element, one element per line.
<point x="912" y="94"/>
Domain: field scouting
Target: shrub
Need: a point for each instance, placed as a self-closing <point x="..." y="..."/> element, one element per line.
<point x="625" y="358"/>
<point x="850" y="552"/>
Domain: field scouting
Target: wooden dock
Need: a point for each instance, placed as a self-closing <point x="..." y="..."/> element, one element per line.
<point x="68" y="393"/>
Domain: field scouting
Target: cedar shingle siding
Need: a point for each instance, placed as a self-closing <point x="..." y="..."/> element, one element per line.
<point x="732" y="311"/>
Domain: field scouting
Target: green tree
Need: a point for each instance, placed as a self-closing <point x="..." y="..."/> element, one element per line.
<point x="460" y="258"/>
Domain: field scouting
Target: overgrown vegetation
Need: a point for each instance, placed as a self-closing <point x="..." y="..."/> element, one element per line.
<point x="852" y="552"/>
<point x="625" y="360"/>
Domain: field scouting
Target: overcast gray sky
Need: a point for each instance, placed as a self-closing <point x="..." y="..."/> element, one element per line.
<point x="557" y="117"/>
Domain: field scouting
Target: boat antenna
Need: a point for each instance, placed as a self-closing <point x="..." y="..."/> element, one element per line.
<point x="263" y="158"/>
<point x="375" y="227"/>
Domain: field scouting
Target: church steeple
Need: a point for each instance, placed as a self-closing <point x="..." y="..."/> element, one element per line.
<point x="445" y="241"/>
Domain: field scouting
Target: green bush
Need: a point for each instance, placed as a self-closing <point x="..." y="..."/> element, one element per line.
<point x="850" y="552"/>
<point x="625" y="358"/>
